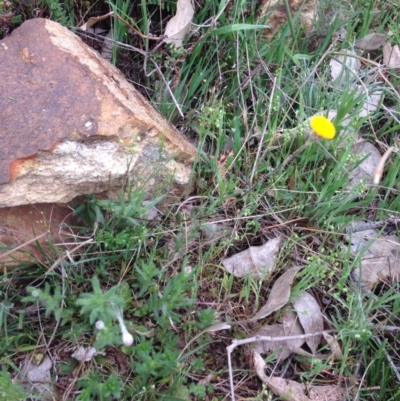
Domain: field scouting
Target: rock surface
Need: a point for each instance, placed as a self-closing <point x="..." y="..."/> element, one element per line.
<point x="72" y="125"/>
<point x="23" y="227"/>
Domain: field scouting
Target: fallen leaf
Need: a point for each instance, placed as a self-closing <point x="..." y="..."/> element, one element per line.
<point x="97" y="31"/>
<point x="257" y="261"/>
<point x="280" y="293"/>
<point x="366" y="169"/>
<point x="264" y="347"/>
<point x="303" y="352"/>
<point x="391" y="56"/>
<point x="288" y="390"/>
<point x="93" y="20"/>
<point x="327" y="393"/>
<point x="310" y="318"/>
<point x="344" y="68"/>
<point x="292" y="327"/>
<point x="106" y="49"/>
<point x="259" y="364"/>
<point x="334" y="346"/>
<point x="380" y="261"/>
<point x="217" y="327"/>
<point x="372" y="41"/>
<point x="178" y="27"/>
<point x="381" y="165"/>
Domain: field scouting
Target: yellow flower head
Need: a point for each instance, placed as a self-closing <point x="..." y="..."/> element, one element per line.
<point x="323" y="127"/>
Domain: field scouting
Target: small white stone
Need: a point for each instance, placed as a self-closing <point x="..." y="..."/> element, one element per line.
<point x="83" y="354"/>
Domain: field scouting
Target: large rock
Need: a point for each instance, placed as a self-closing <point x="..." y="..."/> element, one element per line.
<point x="70" y="125"/>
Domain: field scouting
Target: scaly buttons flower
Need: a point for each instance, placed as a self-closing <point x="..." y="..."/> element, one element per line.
<point x="323" y="127"/>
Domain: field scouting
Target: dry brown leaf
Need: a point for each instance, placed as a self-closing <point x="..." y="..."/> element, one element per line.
<point x="345" y="67"/>
<point x="259" y="364"/>
<point x="366" y="169"/>
<point x="280" y="294"/>
<point x="292" y="327"/>
<point x="217" y="327"/>
<point x="288" y="390"/>
<point x="327" y="393"/>
<point x="372" y="41"/>
<point x="178" y="27"/>
<point x="280" y="387"/>
<point x="92" y="20"/>
<point x="106" y="50"/>
<point x="380" y="261"/>
<point x="310" y="317"/>
<point x="303" y="352"/>
<point x="334" y="345"/>
<point x="264" y="347"/>
<point x="391" y="56"/>
<point x="257" y="261"/>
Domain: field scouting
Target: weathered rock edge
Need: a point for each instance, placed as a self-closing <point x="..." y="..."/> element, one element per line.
<point x="72" y="125"/>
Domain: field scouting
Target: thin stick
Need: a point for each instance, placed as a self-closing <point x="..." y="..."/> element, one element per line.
<point x="68" y="254"/>
<point x="254" y="339"/>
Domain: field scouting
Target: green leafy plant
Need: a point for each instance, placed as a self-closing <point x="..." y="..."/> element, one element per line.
<point x="11" y="389"/>
<point x="100" y="305"/>
<point x="93" y="387"/>
<point x="61" y="12"/>
<point x="53" y="301"/>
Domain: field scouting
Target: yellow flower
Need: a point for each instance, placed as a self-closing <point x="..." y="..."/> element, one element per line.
<point x="323" y="127"/>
